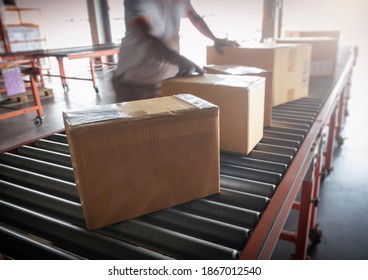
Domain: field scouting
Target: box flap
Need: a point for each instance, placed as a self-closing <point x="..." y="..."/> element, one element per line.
<point x="237" y="81"/>
<point x="234" y="69"/>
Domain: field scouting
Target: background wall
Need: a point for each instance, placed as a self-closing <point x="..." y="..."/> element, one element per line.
<point x="350" y="17"/>
<point x="65" y="23"/>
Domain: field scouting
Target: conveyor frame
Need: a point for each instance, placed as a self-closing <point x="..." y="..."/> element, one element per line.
<point x="244" y="221"/>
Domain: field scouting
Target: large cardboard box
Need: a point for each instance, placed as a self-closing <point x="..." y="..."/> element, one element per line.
<point x="312" y="33"/>
<point x="324" y="53"/>
<point x="232" y="69"/>
<point x="289" y="63"/>
<point x="241" y="102"/>
<point x="138" y="157"/>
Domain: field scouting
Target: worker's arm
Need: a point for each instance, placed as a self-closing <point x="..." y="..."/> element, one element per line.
<point x="186" y="67"/>
<point x="202" y="27"/>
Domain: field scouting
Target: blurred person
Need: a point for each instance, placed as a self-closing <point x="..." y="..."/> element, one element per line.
<point x="149" y="51"/>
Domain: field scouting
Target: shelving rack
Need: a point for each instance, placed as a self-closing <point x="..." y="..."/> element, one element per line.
<point x="25" y="35"/>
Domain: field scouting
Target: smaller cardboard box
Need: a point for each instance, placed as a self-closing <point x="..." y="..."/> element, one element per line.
<point x="134" y="158"/>
<point x="324" y="53"/>
<point x="233" y="69"/>
<point x="312" y="33"/>
<point x="241" y="102"/>
<point x="289" y="63"/>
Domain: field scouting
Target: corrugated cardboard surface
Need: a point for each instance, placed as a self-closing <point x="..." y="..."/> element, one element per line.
<point x="289" y="63"/>
<point x="142" y="156"/>
<point x="233" y="69"/>
<point x="241" y="102"/>
<point x="324" y="53"/>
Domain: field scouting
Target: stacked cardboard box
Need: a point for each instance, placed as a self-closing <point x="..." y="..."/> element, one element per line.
<point x="312" y="33"/>
<point x="324" y="53"/>
<point x="134" y="158"/>
<point x="241" y="102"/>
<point x="232" y="69"/>
<point x="289" y="63"/>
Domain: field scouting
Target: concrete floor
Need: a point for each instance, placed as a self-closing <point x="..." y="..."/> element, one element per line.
<point x="344" y="194"/>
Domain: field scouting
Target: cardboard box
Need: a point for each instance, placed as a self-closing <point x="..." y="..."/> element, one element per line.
<point x="290" y="65"/>
<point x="312" y="33"/>
<point x="134" y="158"/>
<point x="232" y="69"/>
<point x="324" y="53"/>
<point x="241" y="102"/>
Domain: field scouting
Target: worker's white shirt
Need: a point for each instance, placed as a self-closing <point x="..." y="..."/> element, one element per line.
<point x="137" y="61"/>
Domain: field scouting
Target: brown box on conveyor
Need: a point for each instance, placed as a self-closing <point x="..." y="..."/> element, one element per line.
<point x="289" y="63"/>
<point x="324" y="53"/>
<point x="241" y="103"/>
<point x="232" y="69"/>
<point x="134" y="158"/>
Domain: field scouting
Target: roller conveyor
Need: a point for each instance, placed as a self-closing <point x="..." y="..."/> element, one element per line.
<point x="40" y="208"/>
<point x="45" y="155"/>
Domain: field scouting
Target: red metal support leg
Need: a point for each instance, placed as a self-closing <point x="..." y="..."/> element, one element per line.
<point x="316" y="185"/>
<point x="301" y="242"/>
<point x="62" y="72"/>
<point x="330" y="143"/>
<point x="93" y="72"/>
<point x="37" y="63"/>
<point x="36" y="97"/>
<point x="307" y="206"/>
<point x="340" y="116"/>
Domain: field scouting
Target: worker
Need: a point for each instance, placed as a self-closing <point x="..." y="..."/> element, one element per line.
<point x="149" y="52"/>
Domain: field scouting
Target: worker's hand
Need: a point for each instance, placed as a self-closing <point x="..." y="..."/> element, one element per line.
<point x="220" y="43"/>
<point x="188" y="68"/>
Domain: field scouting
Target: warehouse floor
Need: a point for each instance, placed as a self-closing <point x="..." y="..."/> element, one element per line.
<point x="344" y="193"/>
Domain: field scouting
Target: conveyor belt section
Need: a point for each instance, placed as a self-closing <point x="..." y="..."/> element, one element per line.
<point x="40" y="208"/>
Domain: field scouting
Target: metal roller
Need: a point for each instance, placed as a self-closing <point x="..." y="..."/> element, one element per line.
<point x="309" y="107"/>
<point x="41" y="154"/>
<point x="289" y="116"/>
<point x="294" y="112"/>
<point x="271" y="156"/>
<point x="280" y="142"/>
<point x="250" y="173"/>
<point x="247" y="186"/>
<point x="57" y="187"/>
<point x="58" y="137"/>
<point x="292" y="119"/>
<point x="299" y="108"/>
<point x="53" y="146"/>
<point x="275" y="149"/>
<point x="240" y="199"/>
<point x="253" y="163"/>
<point x="136" y="232"/>
<point x="287" y="130"/>
<point x="42" y="202"/>
<point x="210" y="230"/>
<point x="167" y="242"/>
<point x="222" y="212"/>
<point x="42" y="167"/>
<point x="17" y="245"/>
<point x="284" y="135"/>
<point x="86" y="243"/>
<point x="315" y="98"/>
<point x="290" y="125"/>
<point x="306" y="101"/>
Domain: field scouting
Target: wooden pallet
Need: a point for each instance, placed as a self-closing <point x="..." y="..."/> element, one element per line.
<point x="27" y="96"/>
